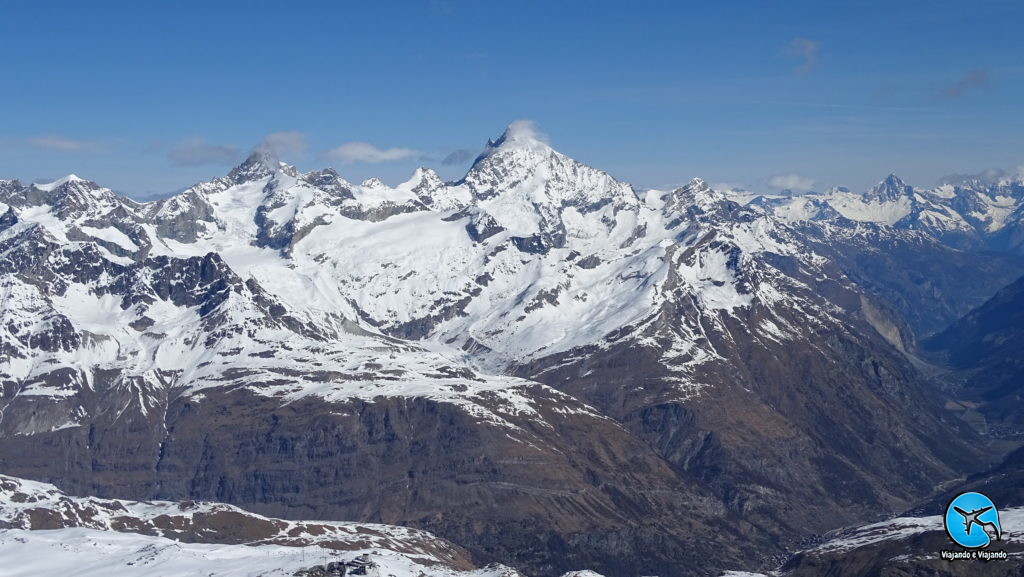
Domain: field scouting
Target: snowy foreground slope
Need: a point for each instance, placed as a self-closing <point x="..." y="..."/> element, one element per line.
<point x="537" y="362"/>
<point x="44" y="532"/>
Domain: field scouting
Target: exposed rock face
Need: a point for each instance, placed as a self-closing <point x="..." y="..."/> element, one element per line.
<point x="399" y="461"/>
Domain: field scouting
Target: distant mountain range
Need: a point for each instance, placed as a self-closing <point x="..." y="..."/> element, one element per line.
<point x="969" y="213"/>
<point x="537" y="362"/>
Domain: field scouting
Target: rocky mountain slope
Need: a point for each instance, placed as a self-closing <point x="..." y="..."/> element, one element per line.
<point x="986" y="351"/>
<point x="537" y="361"/>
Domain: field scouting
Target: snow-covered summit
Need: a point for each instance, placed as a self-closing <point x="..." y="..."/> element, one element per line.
<point x="694" y="197"/>
<point x="49" y="186"/>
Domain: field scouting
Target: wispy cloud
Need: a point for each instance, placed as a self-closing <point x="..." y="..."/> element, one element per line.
<point x="791" y="181"/>
<point x="64" y="144"/>
<point x="459" y="156"/>
<point x="197" y="152"/>
<point x="805" y="50"/>
<point x="290" y="143"/>
<point x="356" y="152"/>
<point x="971" y="80"/>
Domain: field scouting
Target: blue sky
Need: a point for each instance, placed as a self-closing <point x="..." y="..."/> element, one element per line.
<point x="148" y="97"/>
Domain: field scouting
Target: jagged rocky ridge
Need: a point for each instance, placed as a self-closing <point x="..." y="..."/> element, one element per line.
<point x="307" y="347"/>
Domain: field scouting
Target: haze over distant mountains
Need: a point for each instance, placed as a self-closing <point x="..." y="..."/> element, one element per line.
<point x="537" y="362"/>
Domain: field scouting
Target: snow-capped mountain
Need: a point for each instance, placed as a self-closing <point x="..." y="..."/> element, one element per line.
<point x="536" y="361"/>
<point x="965" y="213"/>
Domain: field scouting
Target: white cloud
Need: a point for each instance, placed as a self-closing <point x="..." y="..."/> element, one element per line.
<point x="791" y="181"/>
<point x="63" y="144"/>
<point x="197" y="152"/>
<point x="355" y="152"/>
<point x="526" y="130"/>
<point x="806" y="50"/>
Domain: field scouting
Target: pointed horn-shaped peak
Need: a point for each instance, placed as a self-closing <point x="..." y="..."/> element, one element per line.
<point x="893" y="180"/>
<point x="890" y="188"/>
<point x="695" y="195"/>
<point x="424" y="180"/>
<point x="695" y="185"/>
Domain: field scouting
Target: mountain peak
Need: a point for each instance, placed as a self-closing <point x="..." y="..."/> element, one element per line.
<point x="424" y="180"/>
<point x="432" y="191"/>
<point x="889" y="189"/>
<point x="71" y="178"/>
<point x="330" y="181"/>
<point x="519" y="135"/>
<point x="696" y="194"/>
<point x="522" y="134"/>
<point x="696" y="184"/>
<point x="261" y="163"/>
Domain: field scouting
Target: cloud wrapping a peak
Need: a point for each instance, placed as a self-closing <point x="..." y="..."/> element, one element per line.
<point x="524" y="130"/>
<point x="791" y="181"/>
<point x="364" y="152"/>
<point x="806" y="50"/>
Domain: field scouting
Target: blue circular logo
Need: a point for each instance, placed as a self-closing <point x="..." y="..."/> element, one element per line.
<point x="972" y="521"/>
